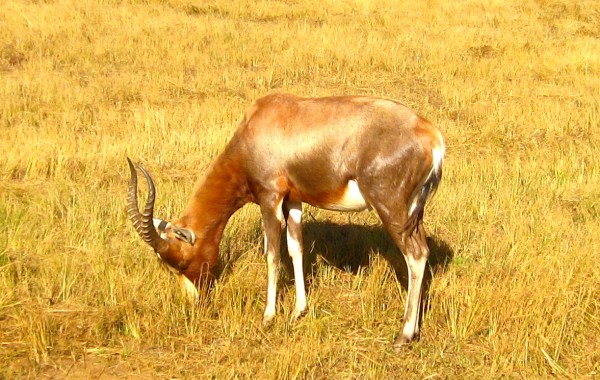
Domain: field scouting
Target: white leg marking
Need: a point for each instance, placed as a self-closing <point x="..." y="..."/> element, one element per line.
<point x="408" y="289"/>
<point x="296" y="253"/>
<point x="272" y="251"/>
<point x="279" y="211"/>
<point x="411" y="318"/>
<point x="272" y="275"/>
<point x="265" y="242"/>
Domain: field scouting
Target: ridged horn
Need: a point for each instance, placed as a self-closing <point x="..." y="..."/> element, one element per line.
<point x="143" y="222"/>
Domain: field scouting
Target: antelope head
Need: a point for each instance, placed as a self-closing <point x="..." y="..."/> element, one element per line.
<point x="175" y="245"/>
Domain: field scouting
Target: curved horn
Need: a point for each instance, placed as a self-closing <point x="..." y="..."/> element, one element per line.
<point x="143" y="222"/>
<point x="132" y="202"/>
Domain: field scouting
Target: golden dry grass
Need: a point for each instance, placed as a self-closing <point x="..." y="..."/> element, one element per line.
<point x="514" y="85"/>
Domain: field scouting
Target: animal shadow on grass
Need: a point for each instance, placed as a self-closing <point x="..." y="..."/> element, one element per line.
<point x="348" y="247"/>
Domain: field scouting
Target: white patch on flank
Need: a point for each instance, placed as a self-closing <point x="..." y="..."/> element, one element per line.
<point x="351" y="200"/>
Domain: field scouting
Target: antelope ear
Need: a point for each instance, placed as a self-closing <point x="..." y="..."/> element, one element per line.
<point x="160" y="225"/>
<point x="185" y="235"/>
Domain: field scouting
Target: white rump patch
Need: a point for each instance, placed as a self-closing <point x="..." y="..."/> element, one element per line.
<point x="351" y="200"/>
<point x="438" y="155"/>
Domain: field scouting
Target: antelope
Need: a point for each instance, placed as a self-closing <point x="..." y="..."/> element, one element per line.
<point x="343" y="153"/>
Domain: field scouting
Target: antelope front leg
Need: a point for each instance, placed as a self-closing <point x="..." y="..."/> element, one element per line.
<point x="272" y="225"/>
<point x="295" y="249"/>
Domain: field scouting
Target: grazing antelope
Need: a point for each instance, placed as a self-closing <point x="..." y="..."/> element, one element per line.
<point x="345" y="153"/>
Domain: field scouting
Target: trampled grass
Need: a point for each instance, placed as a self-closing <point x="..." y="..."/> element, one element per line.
<point x="514" y="85"/>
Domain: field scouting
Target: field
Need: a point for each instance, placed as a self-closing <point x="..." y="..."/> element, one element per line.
<point x="514" y="228"/>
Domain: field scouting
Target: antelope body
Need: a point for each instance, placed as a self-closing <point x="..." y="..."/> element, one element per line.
<point x="345" y="153"/>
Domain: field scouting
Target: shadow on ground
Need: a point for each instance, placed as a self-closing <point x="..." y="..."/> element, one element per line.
<point x="349" y="248"/>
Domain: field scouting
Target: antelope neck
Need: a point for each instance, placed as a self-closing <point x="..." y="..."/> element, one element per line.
<point x="221" y="192"/>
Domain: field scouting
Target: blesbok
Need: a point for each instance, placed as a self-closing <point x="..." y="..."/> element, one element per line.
<point x="346" y="153"/>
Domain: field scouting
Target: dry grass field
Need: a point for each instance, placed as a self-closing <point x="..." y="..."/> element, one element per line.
<point x="514" y="228"/>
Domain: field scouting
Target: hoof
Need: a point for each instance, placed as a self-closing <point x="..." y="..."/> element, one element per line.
<point x="268" y="321"/>
<point x="297" y="314"/>
<point x="403" y="342"/>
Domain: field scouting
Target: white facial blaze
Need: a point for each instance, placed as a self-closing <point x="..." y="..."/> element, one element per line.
<point x="188" y="287"/>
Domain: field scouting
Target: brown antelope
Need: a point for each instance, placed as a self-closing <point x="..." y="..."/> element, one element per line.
<point x="345" y="153"/>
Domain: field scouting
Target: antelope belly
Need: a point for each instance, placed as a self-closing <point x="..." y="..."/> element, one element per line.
<point x="351" y="200"/>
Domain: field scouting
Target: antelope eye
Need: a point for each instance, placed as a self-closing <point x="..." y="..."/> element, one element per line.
<point x="185" y="235"/>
